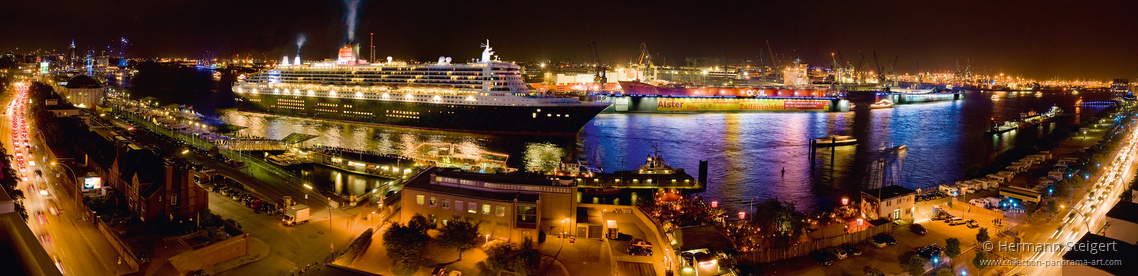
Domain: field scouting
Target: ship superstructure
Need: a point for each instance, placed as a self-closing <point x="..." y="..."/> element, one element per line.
<point x="482" y="96"/>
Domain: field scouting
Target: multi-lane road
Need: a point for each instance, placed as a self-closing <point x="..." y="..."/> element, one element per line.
<point x="1086" y="210"/>
<point x="75" y="244"/>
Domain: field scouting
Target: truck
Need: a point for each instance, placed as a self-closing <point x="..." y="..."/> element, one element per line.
<point x="296" y="214"/>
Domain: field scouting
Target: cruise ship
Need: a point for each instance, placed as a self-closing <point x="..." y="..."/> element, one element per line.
<point x="486" y="95"/>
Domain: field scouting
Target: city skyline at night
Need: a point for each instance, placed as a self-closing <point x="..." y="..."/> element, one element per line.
<point x="1039" y="41"/>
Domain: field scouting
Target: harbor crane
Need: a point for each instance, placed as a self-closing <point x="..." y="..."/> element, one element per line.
<point x="599" y="76"/>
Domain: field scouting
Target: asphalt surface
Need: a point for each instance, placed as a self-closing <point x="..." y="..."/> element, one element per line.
<point x="75" y="243"/>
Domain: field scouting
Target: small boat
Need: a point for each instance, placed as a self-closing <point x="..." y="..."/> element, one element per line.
<point x="886" y="103"/>
<point x="834" y="141"/>
<point x="995" y="97"/>
<point x="1038" y="94"/>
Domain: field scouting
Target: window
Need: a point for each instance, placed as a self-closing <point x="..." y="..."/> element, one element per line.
<point x="485" y="209"/>
<point x="500" y="211"/>
<point x="472" y="208"/>
<point x="527" y="214"/>
<point x="419" y="199"/>
<point x="434" y="202"/>
<point x="446" y="204"/>
<point x="458" y="205"/>
<point x="174" y="200"/>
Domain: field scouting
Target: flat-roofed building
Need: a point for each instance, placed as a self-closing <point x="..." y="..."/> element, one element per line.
<point x="505" y="206"/>
<point x="891" y="202"/>
<point x="1095" y="255"/>
<point x="1122" y="222"/>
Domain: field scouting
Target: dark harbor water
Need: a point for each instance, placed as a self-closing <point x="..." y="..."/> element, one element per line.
<point x="746" y="151"/>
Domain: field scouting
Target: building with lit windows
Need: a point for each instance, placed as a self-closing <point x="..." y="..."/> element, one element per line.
<point x="894" y="203"/>
<point x="505" y="206"/>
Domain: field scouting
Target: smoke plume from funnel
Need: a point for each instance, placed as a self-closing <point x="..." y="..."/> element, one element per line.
<point x="352" y="7"/>
<point x="300" y="39"/>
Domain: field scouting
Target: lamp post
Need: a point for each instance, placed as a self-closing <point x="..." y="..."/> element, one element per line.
<point x="77" y="187"/>
<point x="1085" y="218"/>
<point x="564" y="231"/>
<point x="752" y="205"/>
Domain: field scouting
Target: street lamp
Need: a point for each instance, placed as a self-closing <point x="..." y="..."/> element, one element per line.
<point x="564" y="231"/>
<point x="752" y="205"/>
<point x="73" y="178"/>
<point x="1085" y="218"/>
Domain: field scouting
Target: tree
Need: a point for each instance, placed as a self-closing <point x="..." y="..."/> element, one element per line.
<point x="499" y="257"/>
<point x="1062" y="188"/>
<point x="944" y="272"/>
<point x="1053" y="206"/>
<point x="404" y="244"/>
<point x="461" y="235"/>
<point x="419" y="222"/>
<point x="952" y="247"/>
<point x="780" y="220"/>
<point x="982" y="236"/>
<point x="528" y="260"/>
<point x="916" y="266"/>
<point x="979" y="260"/>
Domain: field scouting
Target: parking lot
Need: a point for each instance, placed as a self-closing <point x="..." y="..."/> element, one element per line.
<point x="892" y="259"/>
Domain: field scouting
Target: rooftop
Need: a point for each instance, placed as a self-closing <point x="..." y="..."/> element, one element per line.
<point x="703" y="236"/>
<point x="83" y="81"/>
<point x="889" y="192"/>
<point x="1113" y="249"/>
<point x="1124" y="210"/>
<point x="423" y="182"/>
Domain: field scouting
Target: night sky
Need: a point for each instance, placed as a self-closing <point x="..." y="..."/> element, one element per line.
<point x="1036" y="39"/>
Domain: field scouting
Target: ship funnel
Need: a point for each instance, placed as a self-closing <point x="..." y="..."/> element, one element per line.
<point x="296" y="60"/>
<point x="284" y="61"/>
<point x="349" y="54"/>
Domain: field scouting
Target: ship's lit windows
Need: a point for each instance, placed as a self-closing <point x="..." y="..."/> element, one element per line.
<point x="332" y="93"/>
<point x="437" y="98"/>
<point x="276" y="91"/>
<point x="548" y="115"/>
<point x="311" y="93"/>
<point x="254" y="91"/>
<point x="239" y="90"/>
<point x="470" y="98"/>
<point x="539" y="110"/>
<point x="408" y="96"/>
<point x="385" y="95"/>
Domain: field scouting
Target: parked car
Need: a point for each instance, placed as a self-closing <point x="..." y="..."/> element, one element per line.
<point x="928" y="252"/>
<point x="640" y="242"/>
<point x="852" y="249"/>
<point x="639" y="250"/>
<point x="822" y="258"/>
<point x="440" y="270"/>
<point x="838" y="253"/>
<point x="876" y="243"/>
<point x="955" y="221"/>
<point x="885" y="237"/>
<point x="918" y="229"/>
<point x="972" y="223"/>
